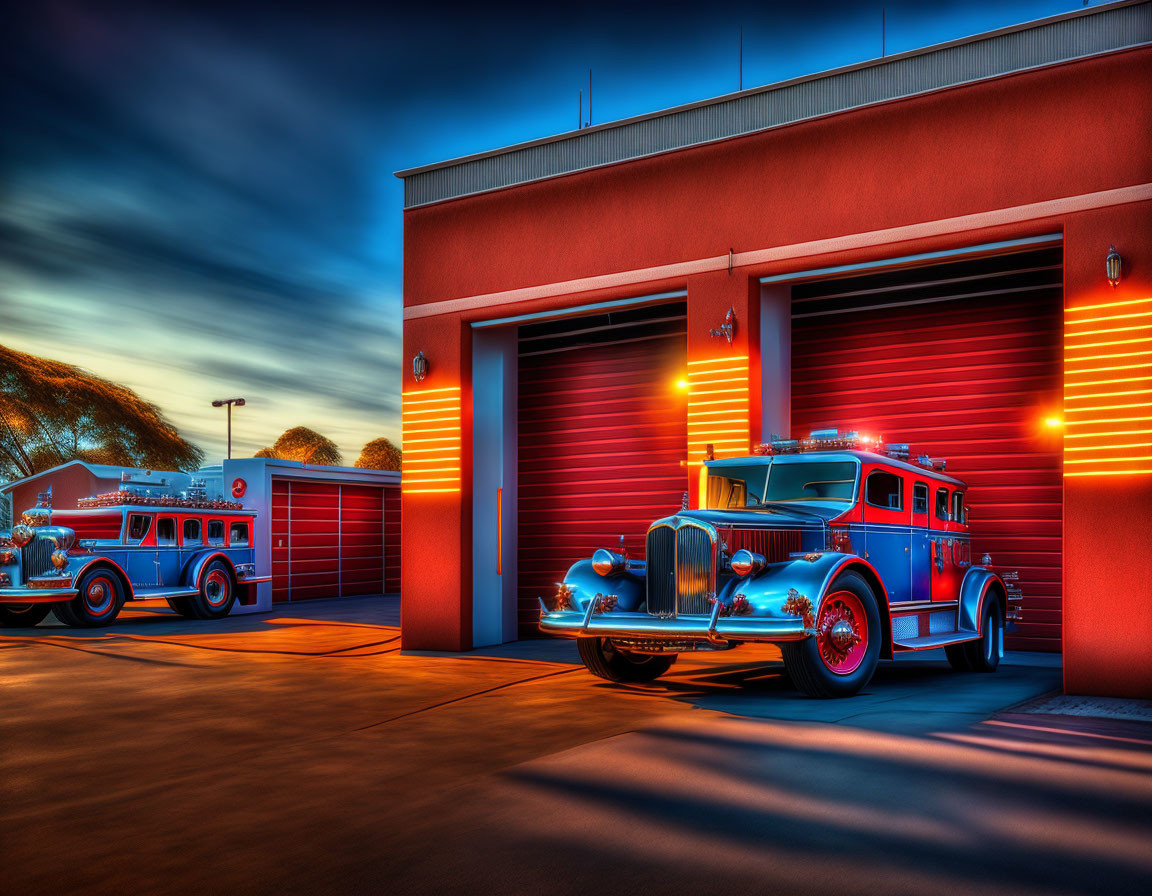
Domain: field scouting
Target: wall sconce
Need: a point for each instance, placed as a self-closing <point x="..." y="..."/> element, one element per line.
<point x="727" y="329"/>
<point x="419" y="367"/>
<point x="1112" y="265"/>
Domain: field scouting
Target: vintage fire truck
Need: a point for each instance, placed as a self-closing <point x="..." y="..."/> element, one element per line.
<point x="836" y="547"/>
<point x="83" y="564"/>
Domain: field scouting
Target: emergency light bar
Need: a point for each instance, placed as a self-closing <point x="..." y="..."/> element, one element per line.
<point x="832" y="440"/>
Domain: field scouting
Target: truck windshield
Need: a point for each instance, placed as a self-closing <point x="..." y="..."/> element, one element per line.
<point x="753" y="485"/>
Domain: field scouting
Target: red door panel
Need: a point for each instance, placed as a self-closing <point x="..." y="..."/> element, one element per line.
<point x="969" y="379"/>
<point x="602" y="436"/>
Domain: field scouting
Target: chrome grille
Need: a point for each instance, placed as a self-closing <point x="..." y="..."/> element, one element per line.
<point x="36" y="557"/>
<point x="660" y="556"/>
<point x="680" y="577"/>
<point x="693" y="571"/>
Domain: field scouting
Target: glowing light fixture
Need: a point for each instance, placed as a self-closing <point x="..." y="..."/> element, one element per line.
<point x="1106" y="393"/>
<point x="1112" y="265"/>
<point x="718" y="407"/>
<point x="431" y="441"/>
<point x="1053" y="422"/>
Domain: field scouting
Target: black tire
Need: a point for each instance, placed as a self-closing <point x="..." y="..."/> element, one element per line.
<point x="984" y="653"/>
<point x="604" y="660"/>
<point x="182" y="607"/>
<point x="802" y="659"/>
<point x="958" y="656"/>
<point x="98" y="601"/>
<point x="217" y="592"/>
<point x="23" y="615"/>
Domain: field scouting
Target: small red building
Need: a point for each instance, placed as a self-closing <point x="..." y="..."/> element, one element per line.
<point x="319" y="531"/>
<point x="913" y="247"/>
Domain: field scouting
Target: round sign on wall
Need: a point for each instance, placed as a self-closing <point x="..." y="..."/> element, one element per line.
<point x="239" y="487"/>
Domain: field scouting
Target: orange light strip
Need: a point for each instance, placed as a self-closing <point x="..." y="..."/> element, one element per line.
<point x="1093" y="449"/>
<point x="718" y="409"/>
<point x="431" y="421"/>
<point x="1108" y="305"/>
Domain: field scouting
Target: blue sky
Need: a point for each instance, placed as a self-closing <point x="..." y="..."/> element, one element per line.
<point x="197" y="201"/>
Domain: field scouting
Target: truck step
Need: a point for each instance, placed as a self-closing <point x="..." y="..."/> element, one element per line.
<point x="940" y="639"/>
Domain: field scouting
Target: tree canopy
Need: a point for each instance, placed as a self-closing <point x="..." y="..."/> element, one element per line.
<point x="305" y="445"/>
<point x="51" y="413"/>
<point x="379" y="454"/>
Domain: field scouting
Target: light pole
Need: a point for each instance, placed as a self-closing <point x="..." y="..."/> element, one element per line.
<point x="239" y="402"/>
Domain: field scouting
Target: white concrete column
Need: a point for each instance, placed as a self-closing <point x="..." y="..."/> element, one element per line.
<point x="776" y="359"/>
<point x="494" y="457"/>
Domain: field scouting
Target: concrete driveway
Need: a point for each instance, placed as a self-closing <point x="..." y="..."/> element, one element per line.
<point x="303" y="752"/>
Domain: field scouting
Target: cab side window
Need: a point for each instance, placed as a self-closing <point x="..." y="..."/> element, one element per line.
<point x="165" y="531"/>
<point x="191" y="531"/>
<point x="958" y="506"/>
<point x="942" y="504"/>
<point x="215" y="532"/>
<point x="885" y="490"/>
<point x="238" y="535"/>
<point x="138" y="526"/>
<point x="920" y="498"/>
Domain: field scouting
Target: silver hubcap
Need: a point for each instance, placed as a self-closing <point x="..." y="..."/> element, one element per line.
<point x="98" y="597"/>
<point x="216" y="588"/>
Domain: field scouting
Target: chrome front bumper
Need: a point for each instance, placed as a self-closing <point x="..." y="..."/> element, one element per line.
<point x="36" y="595"/>
<point x="714" y="628"/>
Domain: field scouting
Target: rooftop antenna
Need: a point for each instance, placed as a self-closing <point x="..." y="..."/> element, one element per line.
<point x="883" y="28"/>
<point x="741" y="57"/>
<point x="589" y="97"/>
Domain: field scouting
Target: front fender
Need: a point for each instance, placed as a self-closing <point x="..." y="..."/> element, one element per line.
<point x="768" y="590"/>
<point x="586" y="583"/>
<point x="978" y="581"/>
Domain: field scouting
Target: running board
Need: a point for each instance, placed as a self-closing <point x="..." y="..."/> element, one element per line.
<point x="152" y="593"/>
<point x="941" y="639"/>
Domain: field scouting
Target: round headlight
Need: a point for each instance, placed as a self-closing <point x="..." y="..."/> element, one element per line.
<point x="745" y="562"/>
<point x="607" y="562"/>
<point x="60" y="559"/>
<point x="22" y="535"/>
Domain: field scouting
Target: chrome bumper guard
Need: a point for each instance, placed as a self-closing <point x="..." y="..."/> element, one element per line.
<point x="36" y="595"/>
<point x="714" y="628"/>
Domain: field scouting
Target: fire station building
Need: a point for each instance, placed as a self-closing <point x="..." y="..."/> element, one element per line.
<point x="916" y="247"/>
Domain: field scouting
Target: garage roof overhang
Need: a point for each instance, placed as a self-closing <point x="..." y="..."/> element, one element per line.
<point x="1051" y="41"/>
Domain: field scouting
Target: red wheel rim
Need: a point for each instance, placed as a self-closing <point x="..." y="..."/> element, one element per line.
<point x="842" y="632"/>
<point x="99" y="595"/>
<point x="216" y="587"/>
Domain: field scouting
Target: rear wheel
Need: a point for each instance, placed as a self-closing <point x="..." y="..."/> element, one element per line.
<point x="602" y="658"/>
<point x="217" y="592"/>
<point x="183" y="607"/>
<point x="958" y="656"/>
<point x="984" y="653"/>
<point x="23" y="615"/>
<point x="842" y="656"/>
<point x="99" y="597"/>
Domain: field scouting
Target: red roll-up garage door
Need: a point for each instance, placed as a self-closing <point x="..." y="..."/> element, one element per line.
<point x="961" y="361"/>
<point x="327" y="539"/>
<point x="602" y="438"/>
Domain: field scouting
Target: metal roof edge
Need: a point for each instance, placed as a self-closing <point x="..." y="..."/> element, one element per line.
<point x="766" y="88"/>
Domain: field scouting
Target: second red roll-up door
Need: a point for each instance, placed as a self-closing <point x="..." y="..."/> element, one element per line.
<point x="602" y="440"/>
<point x="327" y="539"/>
<point x="961" y="361"/>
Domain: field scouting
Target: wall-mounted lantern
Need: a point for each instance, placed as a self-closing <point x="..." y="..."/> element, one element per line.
<point x="419" y="367"/>
<point x="1112" y="266"/>
<point x="727" y="330"/>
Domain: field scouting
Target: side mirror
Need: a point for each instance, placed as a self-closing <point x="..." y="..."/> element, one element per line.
<point x="964" y="515"/>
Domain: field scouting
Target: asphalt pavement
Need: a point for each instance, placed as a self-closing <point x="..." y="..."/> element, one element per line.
<point x="303" y="752"/>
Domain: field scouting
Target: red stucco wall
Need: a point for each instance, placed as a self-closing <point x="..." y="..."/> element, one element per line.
<point x="68" y="486"/>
